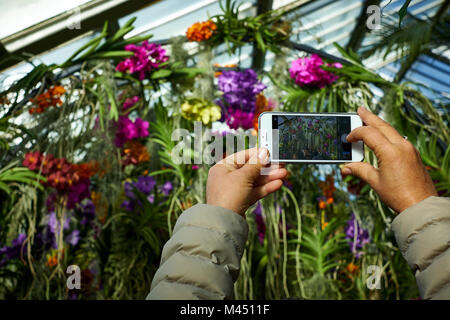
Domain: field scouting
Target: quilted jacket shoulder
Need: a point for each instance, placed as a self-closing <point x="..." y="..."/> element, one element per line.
<point x="202" y="258"/>
<point x="423" y="236"/>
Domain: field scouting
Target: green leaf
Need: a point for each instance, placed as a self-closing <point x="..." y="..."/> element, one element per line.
<point x="129" y="22"/>
<point x="402" y="12"/>
<point x="94" y="43"/>
<point x="162" y="73"/>
<point x="114" y="111"/>
<point x="4" y="187"/>
<point x="188" y="72"/>
<point x="112" y="54"/>
<point x="260" y="41"/>
<point x="119" y="34"/>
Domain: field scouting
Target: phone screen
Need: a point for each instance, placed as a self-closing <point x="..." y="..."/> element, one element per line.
<point x="303" y="137"/>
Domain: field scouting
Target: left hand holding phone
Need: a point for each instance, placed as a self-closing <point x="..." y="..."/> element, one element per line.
<point x="236" y="182"/>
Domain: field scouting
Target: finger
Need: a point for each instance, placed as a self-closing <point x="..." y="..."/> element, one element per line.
<point x="266" y="189"/>
<point x="276" y="173"/>
<point x="271" y="169"/>
<point x="252" y="169"/>
<point x="221" y="168"/>
<point x="362" y="170"/>
<point x="372" y="137"/>
<point x="238" y="159"/>
<point x="385" y="128"/>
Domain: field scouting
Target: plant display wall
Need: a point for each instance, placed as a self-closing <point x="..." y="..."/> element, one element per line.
<point x="87" y="176"/>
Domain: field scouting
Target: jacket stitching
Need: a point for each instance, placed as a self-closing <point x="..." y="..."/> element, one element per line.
<point x="410" y="238"/>
<point x="432" y="257"/>
<point x="191" y="284"/>
<point x="225" y="266"/>
<point x="443" y="285"/>
<point x="238" y="248"/>
<point x="202" y="258"/>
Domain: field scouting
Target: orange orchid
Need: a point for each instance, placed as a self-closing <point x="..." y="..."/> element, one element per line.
<point x="201" y="31"/>
<point x="86" y="170"/>
<point x="50" y="98"/>
<point x="186" y="205"/>
<point x="352" y="268"/>
<point x="322" y="204"/>
<point x="328" y="187"/>
<point x="262" y="105"/>
<point x="52" y="260"/>
<point x="135" y="153"/>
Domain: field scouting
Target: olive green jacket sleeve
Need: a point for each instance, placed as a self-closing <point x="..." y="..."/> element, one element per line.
<point x="202" y="258"/>
<point x="423" y="236"/>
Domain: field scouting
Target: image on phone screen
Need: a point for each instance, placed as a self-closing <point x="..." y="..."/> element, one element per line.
<point x="312" y="137"/>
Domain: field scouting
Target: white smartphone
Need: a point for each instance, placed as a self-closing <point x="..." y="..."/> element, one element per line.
<point x="310" y="137"/>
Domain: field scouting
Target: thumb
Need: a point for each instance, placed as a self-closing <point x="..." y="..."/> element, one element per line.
<point x="253" y="166"/>
<point x="362" y="170"/>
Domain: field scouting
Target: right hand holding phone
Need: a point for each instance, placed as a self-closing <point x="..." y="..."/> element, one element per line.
<point x="401" y="180"/>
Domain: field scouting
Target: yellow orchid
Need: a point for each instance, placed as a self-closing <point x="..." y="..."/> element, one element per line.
<point x="197" y="109"/>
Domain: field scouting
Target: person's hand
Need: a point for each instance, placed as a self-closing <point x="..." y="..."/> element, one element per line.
<point x="235" y="183"/>
<point x="401" y="179"/>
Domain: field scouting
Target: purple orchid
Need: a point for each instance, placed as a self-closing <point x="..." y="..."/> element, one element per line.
<point x="54" y="225"/>
<point x="73" y="238"/>
<point x="147" y="57"/>
<point x="13" y="251"/>
<point x="53" y="228"/>
<point x="308" y="72"/>
<point x="167" y="188"/>
<point x="145" y="184"/>
<point x="128" y="205"/>
<point x="78" y="192"/>
<point x="260" y="225"/>
<point x="239" y="97"/>
<point x="151" y="198"/>
<point x="237" y="118"/>
<point x="128" y="130"/>
<point x="130" y="102"/>
<point x="357" y="236"/>
<point x="86" y="211"/>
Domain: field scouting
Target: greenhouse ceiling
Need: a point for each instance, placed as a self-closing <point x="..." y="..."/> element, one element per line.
<point x="53" y="30"/>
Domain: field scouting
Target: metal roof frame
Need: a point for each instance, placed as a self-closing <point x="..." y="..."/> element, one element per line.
<point x="53" y="32"/>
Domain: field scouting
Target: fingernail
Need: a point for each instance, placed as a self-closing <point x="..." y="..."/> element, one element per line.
<point x="346" y="171"/>
<point x="363" y="108"/>
<point x="263" y="155"/>
<point x="346" y="138"/>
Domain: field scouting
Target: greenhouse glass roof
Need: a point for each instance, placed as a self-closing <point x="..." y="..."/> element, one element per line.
<point x="18" y="15"/>
<point x="317" y="24"/>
